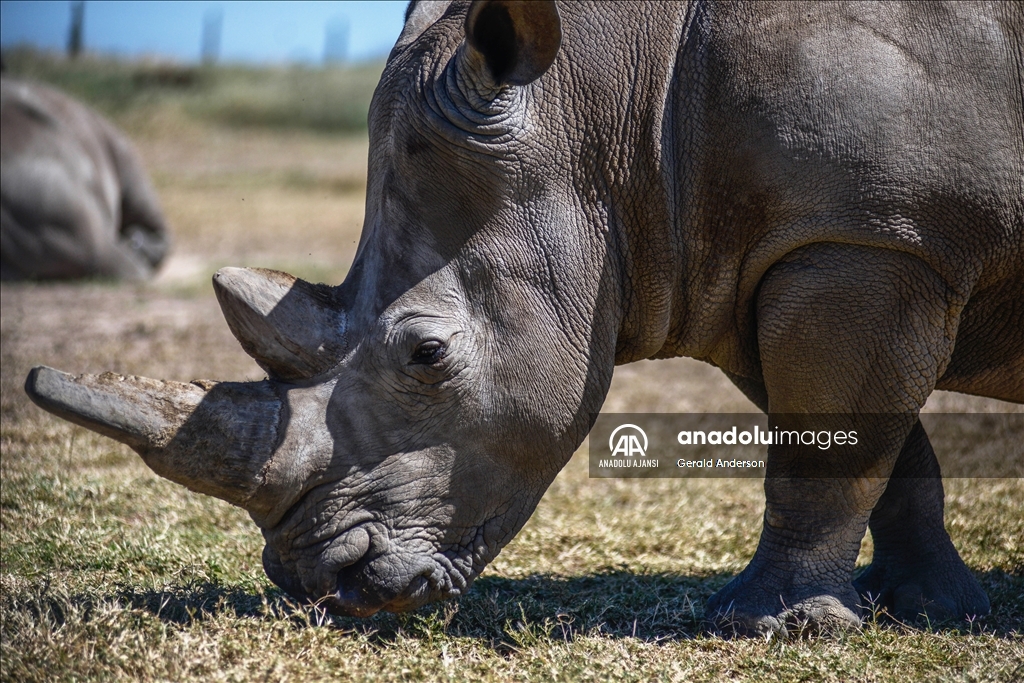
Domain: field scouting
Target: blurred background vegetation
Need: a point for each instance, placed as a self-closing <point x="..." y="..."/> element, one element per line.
<point x="331" y="99"/>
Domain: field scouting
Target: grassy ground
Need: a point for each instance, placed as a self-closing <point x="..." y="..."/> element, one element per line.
<point x="108" y="572"/>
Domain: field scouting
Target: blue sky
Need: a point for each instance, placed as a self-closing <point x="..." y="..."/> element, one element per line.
<point x="260" y="32"/>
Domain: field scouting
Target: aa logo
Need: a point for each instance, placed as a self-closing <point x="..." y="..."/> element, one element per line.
<point x="628" y="443"/>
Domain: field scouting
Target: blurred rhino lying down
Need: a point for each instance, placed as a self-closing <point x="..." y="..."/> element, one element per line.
<point x="75" y="200"/>
<point x="822" y="200"/>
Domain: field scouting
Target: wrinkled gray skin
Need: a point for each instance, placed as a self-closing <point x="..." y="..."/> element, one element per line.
<point x="823" y="200"/>
<point x="74" y="197"/>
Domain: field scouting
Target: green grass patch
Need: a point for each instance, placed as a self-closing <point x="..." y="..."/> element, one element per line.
<point x="109" y="573"/>
<point x="331" y="99"/>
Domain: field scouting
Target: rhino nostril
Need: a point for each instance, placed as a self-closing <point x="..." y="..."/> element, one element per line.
<point x="343" y="551"/>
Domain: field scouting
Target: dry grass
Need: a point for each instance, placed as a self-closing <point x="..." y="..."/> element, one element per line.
<point x="108" y="572"/>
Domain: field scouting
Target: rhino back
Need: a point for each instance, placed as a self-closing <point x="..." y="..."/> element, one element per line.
<point x="890" y="125"/>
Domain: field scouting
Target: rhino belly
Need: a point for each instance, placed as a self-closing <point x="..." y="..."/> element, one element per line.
<point x="988" y="359"/>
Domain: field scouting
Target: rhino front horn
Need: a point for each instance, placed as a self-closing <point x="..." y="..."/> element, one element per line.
<point x="214" y="438"/>
<point x="292" y="328"/>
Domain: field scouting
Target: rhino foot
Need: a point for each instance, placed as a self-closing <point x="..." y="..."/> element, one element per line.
<point x="933" y="591"/>
<point x="916" y="573"/>
<point x="751" y="606"/>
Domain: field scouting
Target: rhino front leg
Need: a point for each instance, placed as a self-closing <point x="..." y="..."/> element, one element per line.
<point x="854" y="333"/>
<point x="916" y="570"/>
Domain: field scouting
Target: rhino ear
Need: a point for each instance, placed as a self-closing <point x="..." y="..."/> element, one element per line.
<point x="517" y="39"/>
<point x="419" y="16"/>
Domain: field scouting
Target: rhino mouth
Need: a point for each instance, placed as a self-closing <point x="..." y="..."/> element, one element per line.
<point x="372" y="585"/>
<point x="361" y="591"/>
<point x="356" y="598"/>
<point x="391" y="579"/>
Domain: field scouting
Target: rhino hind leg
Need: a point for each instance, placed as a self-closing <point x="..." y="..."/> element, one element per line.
<point x="149" y="246"/>
<point x="916" y="572"/>
<point x="73" y="238"/>
<point x="124" y="260"/>
<point x="9" y="269"/>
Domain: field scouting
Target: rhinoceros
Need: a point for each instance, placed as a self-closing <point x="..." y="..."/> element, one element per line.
<point x="822" y="200"/>
<point x="75" y="200"/>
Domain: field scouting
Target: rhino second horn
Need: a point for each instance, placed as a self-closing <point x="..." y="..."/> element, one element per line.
<point x="290" y="327"/>
<point x="214" y="438"/>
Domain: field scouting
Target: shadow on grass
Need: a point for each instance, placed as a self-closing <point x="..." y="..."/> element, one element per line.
<point x="617" y="603"/>
<point x="1006" y="594"/>
<point x="507" y="613"/>
<point x="204" y="600"/>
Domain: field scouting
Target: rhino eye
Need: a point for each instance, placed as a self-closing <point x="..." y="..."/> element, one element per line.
<point x="428" y="353"/>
